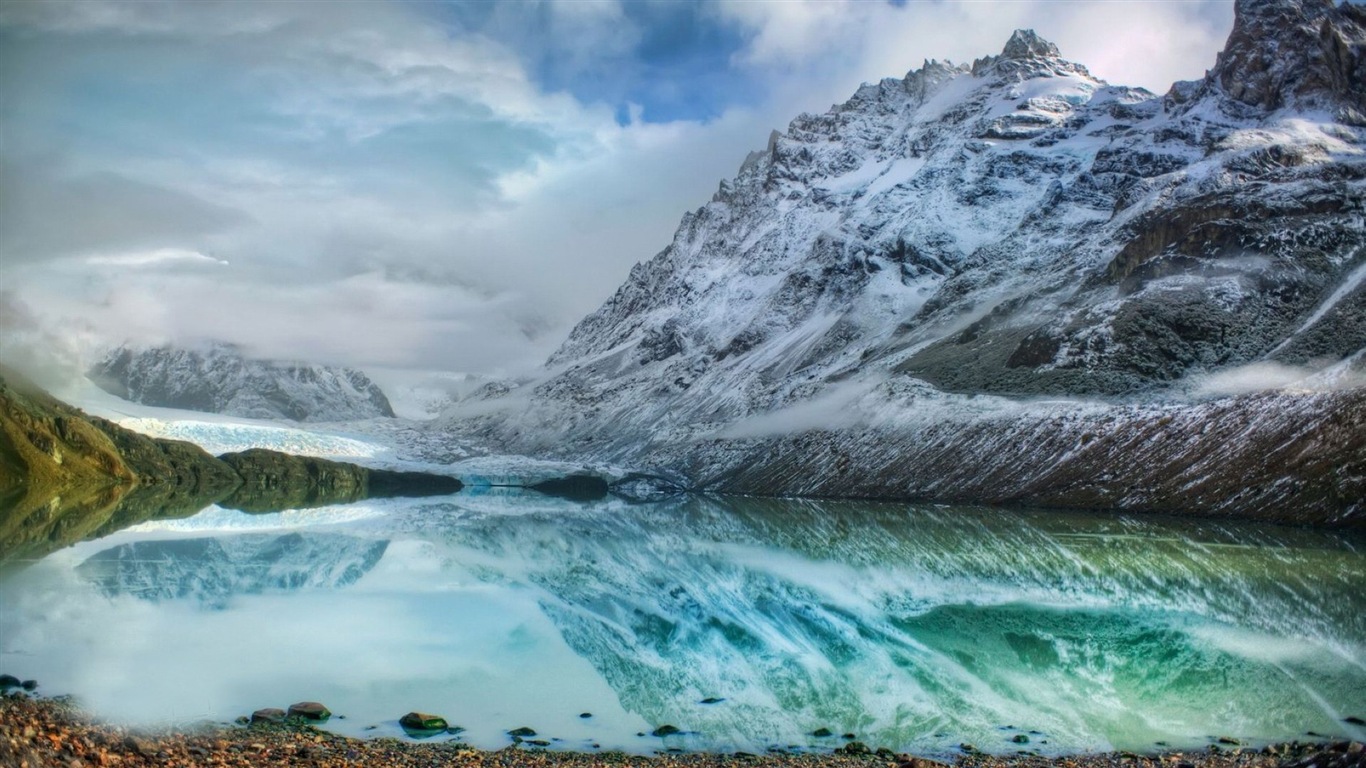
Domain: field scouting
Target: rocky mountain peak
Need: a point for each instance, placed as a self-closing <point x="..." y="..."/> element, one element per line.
<point x="1026" y="44"/>
<point x="1025" y="56"/>
<point x="1300" y="53"/>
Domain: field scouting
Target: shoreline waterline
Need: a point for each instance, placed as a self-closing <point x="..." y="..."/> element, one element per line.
<point x="37" y="731"/>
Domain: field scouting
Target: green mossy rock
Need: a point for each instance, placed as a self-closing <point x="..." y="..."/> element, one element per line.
<point x="309" y="710"/>
<point x="421" y="721"/>
<point x="268" y="715"/>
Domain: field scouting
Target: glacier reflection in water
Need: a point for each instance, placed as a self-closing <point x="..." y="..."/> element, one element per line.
<point x="913" y="627"/>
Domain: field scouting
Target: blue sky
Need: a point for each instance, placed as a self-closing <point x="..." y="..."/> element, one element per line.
<point x="671" y="59"/>
<point x="446" y="185"/>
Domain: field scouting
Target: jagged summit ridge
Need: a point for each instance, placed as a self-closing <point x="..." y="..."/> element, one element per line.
<point x="1026" y="44"/>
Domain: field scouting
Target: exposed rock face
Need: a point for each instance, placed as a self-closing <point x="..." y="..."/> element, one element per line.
<point x="1015" y="227"/>
<point x="219" y="379"/>
<point x="1305" y="54"/>
<point x="1265" y="457"/>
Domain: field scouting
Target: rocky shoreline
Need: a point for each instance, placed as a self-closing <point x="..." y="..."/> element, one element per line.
<point x="38" y="732"/>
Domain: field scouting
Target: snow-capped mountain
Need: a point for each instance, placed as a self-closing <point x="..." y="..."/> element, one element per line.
<point x="1020" y="226"/>
<point x="218" y="378"/>
<point x="1014" y="227"/>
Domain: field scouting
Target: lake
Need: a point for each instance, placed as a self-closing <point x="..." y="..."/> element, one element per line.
<point x="916" y="627"/>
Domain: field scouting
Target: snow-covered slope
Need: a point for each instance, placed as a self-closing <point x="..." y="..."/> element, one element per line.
<point x="220" y="379"/>
<point x="1011" y="227"/>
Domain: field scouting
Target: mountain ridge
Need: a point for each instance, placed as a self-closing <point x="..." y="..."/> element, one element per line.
<point x="221" y="378"/>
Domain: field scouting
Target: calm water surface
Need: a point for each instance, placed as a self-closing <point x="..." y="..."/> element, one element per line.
<point x="914" y="627"/>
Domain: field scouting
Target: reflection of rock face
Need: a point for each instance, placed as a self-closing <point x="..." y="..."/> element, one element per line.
<point x="899" y="624"/>
<point x="212" y="570"/>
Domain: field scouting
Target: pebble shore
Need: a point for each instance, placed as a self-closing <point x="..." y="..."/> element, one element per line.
<point x="52" y="733"/>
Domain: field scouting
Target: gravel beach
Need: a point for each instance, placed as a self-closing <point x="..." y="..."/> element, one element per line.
<point x="52" y="733"/>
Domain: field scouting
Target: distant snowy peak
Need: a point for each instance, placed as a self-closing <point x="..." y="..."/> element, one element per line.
<point x="218" y="378"/>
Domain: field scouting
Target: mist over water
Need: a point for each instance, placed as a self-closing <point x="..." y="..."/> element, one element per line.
<point x="914" y="627"/>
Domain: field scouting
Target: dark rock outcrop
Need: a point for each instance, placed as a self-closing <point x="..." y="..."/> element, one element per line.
<point x="268" y="715"/>
<point x="272" y="480"/>
<point x="1295" y="53"/>
<point x="580" y="487"/>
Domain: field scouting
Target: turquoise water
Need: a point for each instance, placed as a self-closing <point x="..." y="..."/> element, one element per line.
<point x="914" y="627"/>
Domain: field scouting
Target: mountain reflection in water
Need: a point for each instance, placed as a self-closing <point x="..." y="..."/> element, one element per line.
<point x="913" y="627"/>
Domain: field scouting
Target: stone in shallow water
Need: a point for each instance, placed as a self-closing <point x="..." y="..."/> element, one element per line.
<point x="421" y="721"/>
<point x="8" y="681"/>
<point x="585" y="715"/>
<point x="522" y="733"/>
<point x="1020" y="738"/>
<point x="821" y="733"/>
<point x="309" y="710"/>
<point x="268" y="715"/>
<point x="665" y="730"/>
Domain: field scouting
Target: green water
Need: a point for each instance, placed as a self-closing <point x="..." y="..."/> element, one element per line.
<point x="913" y="627"/>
